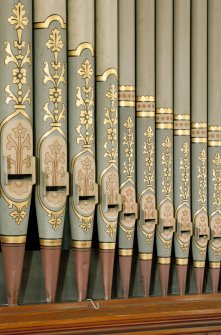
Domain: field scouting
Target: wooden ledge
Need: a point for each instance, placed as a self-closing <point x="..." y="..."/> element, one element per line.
<point x="189" y="314"/>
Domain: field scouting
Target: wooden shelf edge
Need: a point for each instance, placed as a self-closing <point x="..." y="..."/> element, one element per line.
<point x="157" y="315"/>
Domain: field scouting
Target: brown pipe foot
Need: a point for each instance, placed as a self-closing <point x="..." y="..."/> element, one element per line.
<point x="107" y="266"/>
<point x="50" y="261"/>
<point x="145" y="269"/>
<point x="214" y="275"/>
<point x="82" y="266"/>
<point x="125" y="263"/>
<point x="199" y="277"/>
<point x="13" y="258"/>
<point x="164" y="271"/>
<point x="181" y="275"/>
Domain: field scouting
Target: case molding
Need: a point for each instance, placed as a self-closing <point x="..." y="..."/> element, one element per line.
<point x="189" y="314"/>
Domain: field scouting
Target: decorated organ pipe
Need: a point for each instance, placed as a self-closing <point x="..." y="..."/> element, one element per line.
<point x="107" y="135"/>
<point x="16" y="133"/>
<point x="145" y="136"/>
<point x="51" y="133"/>
<point x="199" y="138"/>
<point x="182" y="199"/>
<point x="84" y="191"/>
<point x="164" y="138"/>
<point x="214" y="141"/>
<point x="126" y="102"/>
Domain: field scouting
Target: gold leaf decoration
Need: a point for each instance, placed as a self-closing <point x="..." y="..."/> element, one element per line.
<point x="202" y="176"/>
<point x="111" y="120"/>
<point x="149" y="152"/>
<point x="54" y="74"/>
<point x="167" y="167"/>
<point x="128" y="143"/>
<point x="185" y="166"/>
<point x="85" y="100"/>
<point x="217" y="181"/>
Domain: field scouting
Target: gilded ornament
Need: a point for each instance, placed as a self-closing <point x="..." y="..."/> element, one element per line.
<point x="148" y="152"/>
<point x="202" y="176"/>
<point x="167" y="170"/>
<point x="185" y="166"/>
<point x="111" y="120"/>
<point x="85" y="100"/>
<point x="128" y="143"/>
<point x="54" y="74"/>
<point x="217" y="181"/>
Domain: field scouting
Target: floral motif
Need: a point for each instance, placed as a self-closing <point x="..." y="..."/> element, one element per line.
<point x="185" y="166"/>
<point x="85" y="100"/>
<point x="19" y="59"/>
<point x="217" y="181"/>
<point x="202" y="176"/>
<point x="55" y="163"/>
<point x="148" y="152"/>
<point x="55" y="219"/>
<point x="19" y="19"/>
<point x="19" y="143"/>
<point x="129" y="144"/>
<point x="111" y="120"/>
<point x="86" y="224"/>
<point x="55" y="74"/>
<point x="167" y="170"/>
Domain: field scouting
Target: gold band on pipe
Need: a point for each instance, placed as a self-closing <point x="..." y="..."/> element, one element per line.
<point x="199" y="264"/>
<point x="182" y="117"/>
<point x="123" y="103"/>
<point x="13" y="239"/>
<point x="182" y="261"/>
<point x="214" y="128"/>
<point x="107" y="245"/>
<point x="125" y="252"/>
<point x="214" y="265"/>
<point x="81" y="244"/>
<point x="125" y="88"/>
<point x="47" y="22"/>
<point x="145" y="98"/>
<point x="145" y="114"/>
<point x="198" y="125"/>
<point x="164" y="110"/>
<point x="106" y="74"/>
<point x="181" y="132"/>
<point x="214" y="143"/>
<point x="50" y="243"/>
<point x="164" y="260"/>
<point x="77" y="52"/>
<point x="145" y="257"/>
<point x="199" y="139"/>
<point x="164" y="125"/>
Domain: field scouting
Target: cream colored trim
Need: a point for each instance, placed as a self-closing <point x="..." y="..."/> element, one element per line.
<point x="81" y="244"/>
<point x="13" y="239"/>
<point x="145" y="257"/>
<point x="107" y="245"/>
<point x="50" y="243"/>
<point x="125" y="252"/>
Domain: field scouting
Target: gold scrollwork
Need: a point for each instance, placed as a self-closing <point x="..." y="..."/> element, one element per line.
<point x="184" y="246"/>
<point x="185" y="166"/>
<point x="111" y="120"/>
<point x="85" y="99"/>
<point x="148" y="152"/>
<point x="202" y="176"/>
<point x="202" y="250"/>
<point x="55" y="74"/>
<point x="19" y="58"/>
<point x="128" y="232"/>
<point x="167" y="243"/>
<point x="128" y="143"/>
<point x="217" y="181"/>
<point x="167" y="170"/>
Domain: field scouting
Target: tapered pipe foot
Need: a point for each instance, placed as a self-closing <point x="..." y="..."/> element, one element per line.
<point x="107" y="266"/>
<point x="164" y="271"/>
<point x="50" y="261"/>
<point x="181" y="275"/>
<point x="125" y="263"/>
<point x="214" y="275"/>
<point x="82" y="267"/>
<point x="13" y="258"/>
<point x="145" y="269"/>
<point x="199" y="277"/>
